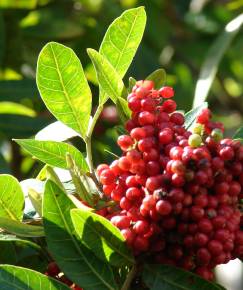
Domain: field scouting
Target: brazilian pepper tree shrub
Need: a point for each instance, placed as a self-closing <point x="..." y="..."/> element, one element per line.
<point x="160" y="216"/>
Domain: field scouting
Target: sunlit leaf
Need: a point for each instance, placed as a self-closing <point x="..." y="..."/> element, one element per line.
<point x="53" y="153"/>
<point x="121" y="42"/>
<point x="122" y="39"/>
<point x="109" y="80"/>
<point x="11" y="198"/>
<point x="63" y="86"/>
<point x="100" y="236"/>
<point x="210" y="65"/>
<point x="21" y="229"/>
<point x="77" y="262"/>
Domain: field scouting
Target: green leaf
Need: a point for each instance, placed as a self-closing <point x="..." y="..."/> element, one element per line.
<point x="211" y="63"/>
<point x="11" y="198"/>
<point x="17" y="126"/>
<point x="190" y="116"/>
<point x="123" y="110"/>
<point x="36" y="199"/>
<point x="238" y="134"/>
<point x="16" y="109"/>
<point x="158" y="77"/>
<point x="76" y="261"/>
<point x="63" y="86"/>
<point x="13" y="277"/>
<point x="109" y="80"/>
<point x="122" y="39"/>
<point x="132" y="83"/>
<point x="13" y="250"/>
<point x="100" y="236"/>
<point x="53" y="153"/>
<point x="20" y="229"/>
<point x="20" y="4"/>
<point x="158" y="277"/>
<point x="56" y="131"/>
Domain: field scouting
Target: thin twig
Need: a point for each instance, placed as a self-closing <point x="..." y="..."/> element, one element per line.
<point x="129" y="278"/>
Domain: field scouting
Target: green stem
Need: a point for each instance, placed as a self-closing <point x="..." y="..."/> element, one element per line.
<point x="80" y="188"/>
<point x="129" y="279"/>
<point x="94" y="120"/>
<point x="88" y="143"/>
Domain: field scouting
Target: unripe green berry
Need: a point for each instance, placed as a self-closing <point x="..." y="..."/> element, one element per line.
<point x="195" y="140"/>
<point x="217" y="134"/>
<point x="198" y="129"/>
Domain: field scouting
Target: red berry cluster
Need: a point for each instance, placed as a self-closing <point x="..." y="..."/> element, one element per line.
<point x="177" y="192"/>
<point x="54" y="272"/>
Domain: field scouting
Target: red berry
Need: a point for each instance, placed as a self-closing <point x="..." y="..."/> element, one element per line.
<point x="107" y="177"/>
<point x="163" y="207"/>
<point x="146" y="118"/>
<point x="165" y="136"/>
<point x="169" y="106"/>
<point x="166" y="92"/>
<point x="141" y="227"/>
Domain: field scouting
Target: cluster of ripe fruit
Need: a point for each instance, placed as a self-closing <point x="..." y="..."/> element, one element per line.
<point x="177" y="192"/>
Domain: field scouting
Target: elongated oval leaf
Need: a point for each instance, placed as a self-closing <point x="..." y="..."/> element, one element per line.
<point x="158" y="277"/>
<point x="109" y="80"/>
<point x="122" y="39"/>
<point x="100" y="236"/>
<point x="121" y="42"/>
<point x="63" y="86"/>
<point x="190" y="116"/>
<point x="11" y="198"/>
<point x="76" y="261"/>
<point x="210" y="66"/>
<point x="158" y="77"/>
<point x="20" y="229"/>
<point x="53" y="153"/>
<point x="13" y="250"/>
<point x="12" y="277"/>
<point x="56" y="131"/>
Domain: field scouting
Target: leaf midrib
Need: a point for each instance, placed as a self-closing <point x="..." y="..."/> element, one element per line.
<point x="107" y="241"/>
<point x="75" y="243"/>
<point x="9" y="212"/>
<point x="124" y="47"/>
<point x="65" y="92"/>
<point x="45" y="151"/>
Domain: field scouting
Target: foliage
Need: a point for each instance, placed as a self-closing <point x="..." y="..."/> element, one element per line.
<point x="88" y="249"/>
